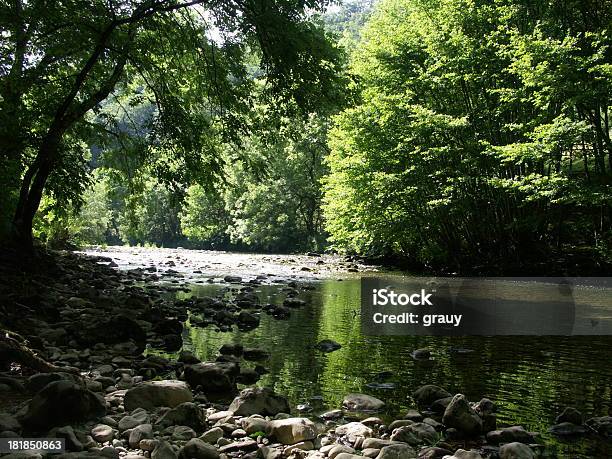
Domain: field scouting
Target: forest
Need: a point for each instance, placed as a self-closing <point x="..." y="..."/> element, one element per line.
<point x="200" y="198"/>
<point x="445" y="135"/>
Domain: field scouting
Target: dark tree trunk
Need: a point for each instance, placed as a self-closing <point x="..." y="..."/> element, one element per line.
<point x="31" y="193"/>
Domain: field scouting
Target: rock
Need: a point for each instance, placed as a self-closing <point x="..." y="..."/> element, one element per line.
<point x="197" y="449"/>
<point x="247" y="444"/>
<point x="255" y="424"/>
<point x="152" y="394"/>
<point x="139" y="433"/>
<point x="484" y="407"/>
<point x="327" y="345"/>
<point x="258" y="400"/>
<point x="426" y="395"/>
<point x="213" y="377"/>
<point x="362" y="402"/>
<point x="102" y="433"/>
<point x="460" y="415"/>
<point x="232" y="279"/>
<point x="67" y="433"/>
<point x="148" y="444"/>
<point x="397" y="451"/>
<point x="292" y="430"/>
<point x="10" y="423"/>
<point x="185" y="414"/>
<point x="413" y="415"/>
<point x="463" y="454"/>
<point x="376" y="443"/>
<point x="352" y="430"/>
<point x="439" y="406"/>
<point x="38" y="381"/>
<point x="255" y="355"/>
<point x="183" y="433"/>
<point x="602" y="425"/>
<point x="421" y="354"/>
<point x="567" y="429"/>
<point x="370" y="452"/>
<point x="61" y="403"/>
<point x="515" y="450"/>
<point x="348" y="456"/>
<point x="188" y="358"/>
<point x="570" y="415"/>
<point x="139" y="416"/>
<point x="109" y="452"/>
<point x="333" y="414"/>
<point x="301" y="446"/>
<point x="415" y="434"/>
<point x="163" y="450"/>
<point x="232" y="349"/>
<point x="433" y="452"/>
<point x="339" y="449"/>
<point x="510" y="434"/>
<point x="212" y="435"/>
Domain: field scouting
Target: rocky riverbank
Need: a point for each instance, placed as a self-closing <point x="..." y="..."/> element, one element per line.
<point x="108" y="397"/>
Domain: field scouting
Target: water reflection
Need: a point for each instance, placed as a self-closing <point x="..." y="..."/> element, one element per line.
<point x="530" y="378"/>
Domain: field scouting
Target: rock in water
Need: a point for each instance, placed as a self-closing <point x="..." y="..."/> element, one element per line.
<point x="570" y="415"/>
<point x="516" y="450"/>
<point x="327" y="345"/>
<point x="292" y="430"/>
<point x="258" y="400"/>
<point x="426" y="395"/>
<point x="61" y="403"/>
<point x="213" y="377"/>
<point x="197" y="449"/>
<point x="510" y="434"/>
<point x="362" y="402"/>
<point x="460" y="415"/>
<point x="152" y="394"/>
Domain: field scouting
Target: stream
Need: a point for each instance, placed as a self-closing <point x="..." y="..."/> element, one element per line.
<point x="531" y="379"/>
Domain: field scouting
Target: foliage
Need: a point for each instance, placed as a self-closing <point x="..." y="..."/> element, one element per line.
<point x="481" y="137"/>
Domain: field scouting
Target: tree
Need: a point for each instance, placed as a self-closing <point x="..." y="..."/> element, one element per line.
<point x="480" y="139"/>
<point x="60" y="61"/>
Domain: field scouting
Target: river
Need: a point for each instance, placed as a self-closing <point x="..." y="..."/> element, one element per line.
<point x="531" y="379"/>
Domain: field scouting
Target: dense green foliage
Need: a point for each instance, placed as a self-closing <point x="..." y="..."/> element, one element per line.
<point x="481" y="136"/>
<point x="463" y="134"/>
<point x="61" y="63"/>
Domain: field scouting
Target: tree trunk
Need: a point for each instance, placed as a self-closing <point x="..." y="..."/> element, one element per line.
<point x="32" y="189"/>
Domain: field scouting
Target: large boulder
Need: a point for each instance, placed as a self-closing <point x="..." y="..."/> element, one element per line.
<point x="61" y="403"/>
<point x="152" y="394"/>
<point x="292" y="430"/>
<point x="460" y="415"/>
<point x="197" y="449"/>
<point x="213" y="377"/>
<point x="362" y="402"/>
<point x="426" y="395"/>
<point x="258" y="400"/>
<point x="516" y="450"/>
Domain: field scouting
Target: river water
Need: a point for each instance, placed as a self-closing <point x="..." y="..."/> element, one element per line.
<point x="531" y="379"/>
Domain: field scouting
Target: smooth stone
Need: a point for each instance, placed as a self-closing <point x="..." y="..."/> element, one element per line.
<point x="397" y="451"/>
<point x="292" y="430"/>
<point x="102" y="433"/>
<point x="516" y="450"/>
<point x="256" y="400"/>
<point x="139" y="433"/>
<point x="152" y="394"/>
<point x="197" y="449"/>
<point x="426" y="395"/>
<point x="212" y="435"/>
<point x="362" y="402"/>
<point x="163" y="450"/>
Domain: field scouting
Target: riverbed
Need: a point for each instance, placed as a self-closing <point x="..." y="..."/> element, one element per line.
<point x="531" y="379"/>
